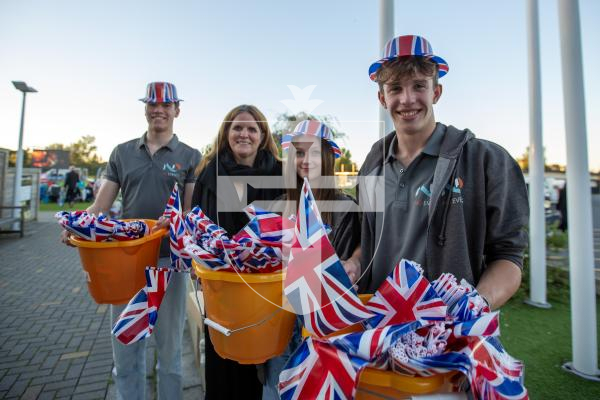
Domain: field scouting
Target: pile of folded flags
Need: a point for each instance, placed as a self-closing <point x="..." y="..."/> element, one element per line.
<point x="256" y="248"/>
<point x="100" y="228"/>
<point x="418" y="329"/>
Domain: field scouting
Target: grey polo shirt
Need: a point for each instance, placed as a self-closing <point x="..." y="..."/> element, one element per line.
<point x="146" y="181"/>
<point x="401" y="231"/>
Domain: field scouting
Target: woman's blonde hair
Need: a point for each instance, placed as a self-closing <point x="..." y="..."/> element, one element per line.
<point x="221" y="142"/>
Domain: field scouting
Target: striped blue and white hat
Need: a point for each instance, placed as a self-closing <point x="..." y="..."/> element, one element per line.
<point x="408" y="45"/>
<point x="312" y="128"/>
<point x="161" y="92"/>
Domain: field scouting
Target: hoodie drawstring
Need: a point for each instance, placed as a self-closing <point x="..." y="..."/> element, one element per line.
<point x="442" y="235"/>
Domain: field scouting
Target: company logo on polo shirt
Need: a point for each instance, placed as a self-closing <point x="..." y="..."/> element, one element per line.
<point x="172" y="169"/>
<point x="423" y="193"/>
<point x="455" y="190"/>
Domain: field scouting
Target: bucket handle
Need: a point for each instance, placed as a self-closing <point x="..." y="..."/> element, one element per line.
<point x="217" y="326"/>
<point x="226" y="331"/>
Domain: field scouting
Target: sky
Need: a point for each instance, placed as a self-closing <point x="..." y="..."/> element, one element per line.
<point x="90" y="62"/>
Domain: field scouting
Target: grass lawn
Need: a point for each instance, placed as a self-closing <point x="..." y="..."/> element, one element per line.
<point x="55" y="207"/>
<point x="542" y="339"/>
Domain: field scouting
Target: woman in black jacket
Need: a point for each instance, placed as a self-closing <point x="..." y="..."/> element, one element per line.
<point x="244" y="151"/>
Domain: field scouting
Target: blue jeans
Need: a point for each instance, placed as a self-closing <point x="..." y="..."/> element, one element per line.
<point x="274" y="366"/>
<point x="130" y="360"/>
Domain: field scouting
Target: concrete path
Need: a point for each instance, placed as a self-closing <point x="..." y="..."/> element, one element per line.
<point x="54" y="339"/>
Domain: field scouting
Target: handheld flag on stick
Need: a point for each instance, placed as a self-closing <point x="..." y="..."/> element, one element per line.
<point x="137" y="320"/>
<point x="316" y="283"/>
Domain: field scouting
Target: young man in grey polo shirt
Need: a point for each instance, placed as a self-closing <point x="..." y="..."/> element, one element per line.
<point x="145" y="170"/>
<point x="444" y="199"/>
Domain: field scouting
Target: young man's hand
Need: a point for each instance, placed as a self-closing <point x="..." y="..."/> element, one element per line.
<point x="64" y="237"/>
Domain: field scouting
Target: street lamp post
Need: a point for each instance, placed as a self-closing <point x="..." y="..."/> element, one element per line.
<point x="21" y="86"/>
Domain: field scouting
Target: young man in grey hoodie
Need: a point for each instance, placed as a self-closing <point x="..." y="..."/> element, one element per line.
<point x="433" y="193"/>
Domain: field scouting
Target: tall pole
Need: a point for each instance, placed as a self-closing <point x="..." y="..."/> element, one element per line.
<point x="19" y="166"/>
<point x="537" y="222"/>
<point x="386" y="32"/>
<point x="579" y="201"/>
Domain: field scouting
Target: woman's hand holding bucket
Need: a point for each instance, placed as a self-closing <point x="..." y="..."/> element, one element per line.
<point x="162" y="223"/>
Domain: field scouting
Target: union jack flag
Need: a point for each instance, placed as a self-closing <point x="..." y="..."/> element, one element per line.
<point x="496" y="375"/>
<point x="180" y="259"/>
<point x="255" y="248"/>
<point x="265" y="227"/>
<point x="373" y="344"/>
<point x="319" y="371"/>
<point x="137" y="320"/>
<point x="463" y="300"/>
<point x="431" y="365"/>
<point x="129" y="230"/>
<point x="316" y="284"/>
<point x="329" y="368"/>
<point x="405" y="296"/>
<point x="485" y="325"/>
<point x="86" y="226"/>
<point x="202" y="228"/>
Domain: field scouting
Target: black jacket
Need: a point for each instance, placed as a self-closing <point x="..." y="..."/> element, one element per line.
<point x="487" y="221"/>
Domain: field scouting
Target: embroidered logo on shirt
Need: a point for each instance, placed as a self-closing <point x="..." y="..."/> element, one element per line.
<point x="423" y="193"/>
<point x="172" y="169"/>
<point x="455" y="190"/>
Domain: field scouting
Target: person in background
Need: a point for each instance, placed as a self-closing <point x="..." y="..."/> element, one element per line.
<point x="145" y="170"/>
<point x="243" y="148"/>
<point x="71" y="185"/>
<point x="562" y="207"/>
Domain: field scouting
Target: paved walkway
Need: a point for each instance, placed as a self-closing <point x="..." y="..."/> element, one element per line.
<point x="54" y="340"/>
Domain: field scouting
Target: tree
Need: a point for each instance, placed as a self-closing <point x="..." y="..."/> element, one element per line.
<point x="57" y="146"/>
<point x="12" y="158"/>
<point x="344" y="163"/>
<point x="206" y="149"/>
<point x="84" y="153"/>
<point x="523" y="161"/>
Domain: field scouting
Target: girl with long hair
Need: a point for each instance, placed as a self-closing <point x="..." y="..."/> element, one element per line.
<point x="311" y="155"/>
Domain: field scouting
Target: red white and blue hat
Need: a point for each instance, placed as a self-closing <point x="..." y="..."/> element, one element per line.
<point x="161" y="92"/>
<point x="408" y="45"/>
<point x="312" y="128"/>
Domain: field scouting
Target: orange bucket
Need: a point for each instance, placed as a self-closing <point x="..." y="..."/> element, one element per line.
<point x="115" y="270"/>
<point x="377" y="384"/>
<point x="381" y="384"/>
<point x="244" y="316"/>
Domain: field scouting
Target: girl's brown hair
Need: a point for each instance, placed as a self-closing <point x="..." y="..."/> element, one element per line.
<point x="326" y="193"/>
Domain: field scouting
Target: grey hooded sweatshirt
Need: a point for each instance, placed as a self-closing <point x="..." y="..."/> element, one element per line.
<point x="486" y="222"/>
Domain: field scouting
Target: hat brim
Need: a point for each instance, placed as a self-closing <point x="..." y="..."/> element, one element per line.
<point x="287" y="139"/>
<point x="442" y="65"/>
<point x="147" y="100"/>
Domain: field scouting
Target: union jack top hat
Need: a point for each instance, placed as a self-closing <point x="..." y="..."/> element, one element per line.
<point x="408" y="45"/>
<point x="161" y="92"/>
<point x="312" y="128"/>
